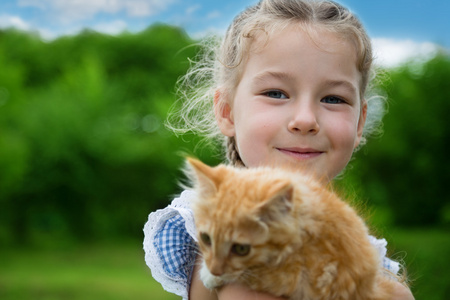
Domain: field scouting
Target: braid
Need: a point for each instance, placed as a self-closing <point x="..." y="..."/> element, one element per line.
<point x="233" y="156"/>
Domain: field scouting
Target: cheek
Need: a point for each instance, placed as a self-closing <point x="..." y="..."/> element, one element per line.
<point x="254" y="131"/>
<point x="344" y="135"/>
<point x="259" y="130"/>
<point x="257" y="122"/>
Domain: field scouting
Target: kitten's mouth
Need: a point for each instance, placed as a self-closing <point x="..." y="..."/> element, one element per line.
<point x="228" y="278"/>
<point x="301" y="153"/>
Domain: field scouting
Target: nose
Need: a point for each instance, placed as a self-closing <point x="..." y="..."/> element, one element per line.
<point x="216" y="268"/>
<point x="304" y="119"/>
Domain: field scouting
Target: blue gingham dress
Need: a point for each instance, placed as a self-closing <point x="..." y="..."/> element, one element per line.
<point x="170" y="246"/>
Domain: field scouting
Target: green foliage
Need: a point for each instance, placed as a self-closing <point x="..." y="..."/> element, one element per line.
<point x="406" y="169"/>
<point x="84" y="153"/>
<point x="425" y="255"/>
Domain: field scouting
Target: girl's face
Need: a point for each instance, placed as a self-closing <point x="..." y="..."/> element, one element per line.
<point x="297" y="103"/>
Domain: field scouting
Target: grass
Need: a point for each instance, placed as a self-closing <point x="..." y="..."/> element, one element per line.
<point x="117" y="271"/>
<point x="106" y="272"/>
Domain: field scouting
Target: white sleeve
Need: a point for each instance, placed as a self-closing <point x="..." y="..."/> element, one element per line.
<point x="170" y="245"/>
<point x="389" y="264"/>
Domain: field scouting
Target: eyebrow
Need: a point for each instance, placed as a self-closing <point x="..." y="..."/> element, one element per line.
<point x="264" y="76"/>
<point x="341" y="83"/>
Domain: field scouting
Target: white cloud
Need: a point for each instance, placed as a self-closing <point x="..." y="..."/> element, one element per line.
<point x="114" y="27"/>
<point x="391" y="52"/>
<point x="7" y="21"/>
<point x="213" y="15"/>
<point x="192" y="9"/>
<point x="72" y="10"/>
<point x="47" y="34"/>
<point x="210" y="31"/>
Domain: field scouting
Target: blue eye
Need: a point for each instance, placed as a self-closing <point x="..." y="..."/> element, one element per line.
<point x="275" y="94"/>
<point x="333" y="100"/>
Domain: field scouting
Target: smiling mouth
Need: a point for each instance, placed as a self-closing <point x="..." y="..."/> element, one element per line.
<point x="301" y="153"/>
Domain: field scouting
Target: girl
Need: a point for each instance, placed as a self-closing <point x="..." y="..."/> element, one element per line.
<point x="288" y="86"/>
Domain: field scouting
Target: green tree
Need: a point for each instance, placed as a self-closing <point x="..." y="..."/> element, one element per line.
<point x="84" y="152"/>
<point x="406" y="169"/>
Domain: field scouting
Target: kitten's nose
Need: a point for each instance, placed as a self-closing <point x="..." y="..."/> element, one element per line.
<point x="216" y="268"/>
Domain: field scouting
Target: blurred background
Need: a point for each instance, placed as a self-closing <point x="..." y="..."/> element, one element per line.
<point x="85" y="155"/>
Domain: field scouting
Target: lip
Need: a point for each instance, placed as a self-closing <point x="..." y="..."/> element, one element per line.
<point x="301" y="153"/>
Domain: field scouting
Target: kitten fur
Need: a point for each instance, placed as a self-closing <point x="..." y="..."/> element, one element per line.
<point x="283" y="233"/>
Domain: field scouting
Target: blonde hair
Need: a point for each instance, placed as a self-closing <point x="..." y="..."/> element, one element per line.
<point x="220" y="65"/>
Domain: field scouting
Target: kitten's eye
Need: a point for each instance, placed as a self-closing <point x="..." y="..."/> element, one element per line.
<point x="205" y="239"/>
<point x="241" y="250"/>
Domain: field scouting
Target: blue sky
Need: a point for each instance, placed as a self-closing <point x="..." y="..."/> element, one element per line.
<point x="400" y="28"/>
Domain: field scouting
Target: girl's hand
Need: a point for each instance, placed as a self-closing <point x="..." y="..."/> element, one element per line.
<point x="239" y="292"/>
<point x="236" y="292"/>
<point x="401" y="292"/>
<point x="197" y="290"/>
<point x="229" y="292"/>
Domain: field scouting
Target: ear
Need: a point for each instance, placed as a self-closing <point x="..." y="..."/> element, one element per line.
<point x="361" y="122"/>
<point x="206" y="179"/>
<point x="279" y="204"/>
<point x="255" y="228"/>
<point x="223" y="113"/>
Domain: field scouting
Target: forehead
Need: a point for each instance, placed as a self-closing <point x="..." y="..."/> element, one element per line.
<point x="298" y="47"/>
<point x="324" y="38"/>
<point x="302" y="36"/>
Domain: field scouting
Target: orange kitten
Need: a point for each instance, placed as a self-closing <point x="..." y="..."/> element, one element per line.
<point x="280" y="232"/>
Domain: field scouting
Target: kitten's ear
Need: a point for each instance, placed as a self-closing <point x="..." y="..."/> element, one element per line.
<point x="279" y="203"/>
<point x="206" y="177"/>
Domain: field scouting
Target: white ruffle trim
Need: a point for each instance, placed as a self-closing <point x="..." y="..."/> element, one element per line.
<point x="380" y="245"/>
<point x="156" y="220"/>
